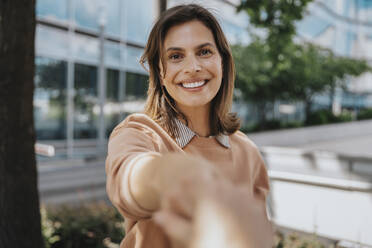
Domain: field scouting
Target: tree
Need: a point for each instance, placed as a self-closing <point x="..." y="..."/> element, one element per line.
<point x="306" y="71"/>
<point x="19" y="202"/>
<point x="278" y="18"/>
<point x="273" y="67"/>
<point x="317" y="70"/>
<point x="272" y="51"/>
<point x="253" y="76"/>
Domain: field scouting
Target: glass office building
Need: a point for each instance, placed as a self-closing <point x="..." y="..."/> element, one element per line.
<point x="75" y="39"/>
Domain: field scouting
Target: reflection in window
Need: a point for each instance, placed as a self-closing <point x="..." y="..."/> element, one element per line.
<point x="86" y="49"/>
<point x="86" y="102"/>
<point x="112" y="54"/>
<point x="50" y="99"/>
<point x="51" y="42"/>
<point x="140" y="15"/>
<point x="113" y="17"/>
<point x="87" y="13"/>
<point x="51" y="9"/>
<point x="131" y="57"/>
<point x="136" y="86"/>
<point x="112" y="107"/>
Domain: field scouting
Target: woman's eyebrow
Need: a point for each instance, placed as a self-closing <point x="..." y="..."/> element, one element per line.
<point x="204" y="45"/>
<point x="175" y="49"/>
<point x="196" y="48"/>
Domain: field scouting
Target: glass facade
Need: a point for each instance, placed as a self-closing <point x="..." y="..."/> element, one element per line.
<point x="86" y="105"/>
<point x="53" y="10"/>
<point x="136" y="86"/>
<point x="50" y="99"/>
<point x="139" y="15"/>
<point x="112" y="109"/>
<point x="87" y="13"/>
<point x="69" y="56"/>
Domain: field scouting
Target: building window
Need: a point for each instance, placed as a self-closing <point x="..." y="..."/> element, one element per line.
<point x="112" y="109"/>
<point x="52" y="10"/>
<point x="88" y="13"/>
<point x="136" y="86"/>
<point x="139" y="15"/>
<point x="86" y="104"/>
<point x="50" y="99"/>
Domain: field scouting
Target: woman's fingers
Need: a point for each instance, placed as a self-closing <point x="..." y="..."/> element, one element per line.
<point x="177" y="228"/>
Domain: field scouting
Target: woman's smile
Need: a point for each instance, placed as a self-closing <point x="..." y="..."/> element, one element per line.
<point x="193" y="84"/>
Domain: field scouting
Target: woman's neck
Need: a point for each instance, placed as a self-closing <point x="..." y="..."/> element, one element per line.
<point x="198" y="119"/>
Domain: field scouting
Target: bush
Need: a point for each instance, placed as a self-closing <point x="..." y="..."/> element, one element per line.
<point x="294" y="240"/>
<point x="319" y="117"/>
<point x="292" y="124"/>
<point x="365" y="114"/>
<point x="325" y="116"/>
<point x="95" y="225"/>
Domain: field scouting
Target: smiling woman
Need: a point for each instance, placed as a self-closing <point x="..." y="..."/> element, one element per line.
<point x="186" y="145"/>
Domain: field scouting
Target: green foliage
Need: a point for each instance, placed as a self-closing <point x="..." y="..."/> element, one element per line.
<point x="294" y="240"/>
<point x="323" y="116"/>
<point x="270" y="125"/>
<point x="277" y="18"/>
<point x="365" y="114"/>
<point x="95" y="225"/>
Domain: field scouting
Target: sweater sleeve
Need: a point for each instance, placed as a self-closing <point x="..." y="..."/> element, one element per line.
<point x="127" y="146"/>
<point x="261" y="179"/>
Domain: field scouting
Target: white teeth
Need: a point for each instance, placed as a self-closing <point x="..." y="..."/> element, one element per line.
<point x="193" y="85"/>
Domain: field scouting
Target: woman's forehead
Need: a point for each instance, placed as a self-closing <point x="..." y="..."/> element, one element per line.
<point x="188" y="35"/>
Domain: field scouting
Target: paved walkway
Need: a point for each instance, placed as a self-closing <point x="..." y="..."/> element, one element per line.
<point x="353" y="138"/>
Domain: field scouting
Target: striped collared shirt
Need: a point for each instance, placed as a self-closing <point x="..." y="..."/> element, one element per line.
<point x="186" y="135"/>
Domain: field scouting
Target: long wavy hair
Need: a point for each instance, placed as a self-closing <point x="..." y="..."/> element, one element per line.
<point x="160" y="106"/>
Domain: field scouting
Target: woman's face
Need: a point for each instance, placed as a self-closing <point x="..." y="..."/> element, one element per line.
<point x="193" y="65"/>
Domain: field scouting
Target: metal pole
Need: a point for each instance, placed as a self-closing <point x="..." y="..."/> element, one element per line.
<point x="102" y="81"/>
<point x="70" y="82"/>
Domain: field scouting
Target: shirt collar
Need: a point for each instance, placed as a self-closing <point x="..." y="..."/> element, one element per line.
<point x="186" y="134"/>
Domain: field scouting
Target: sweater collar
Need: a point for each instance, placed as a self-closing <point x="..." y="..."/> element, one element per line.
<point x="186" y="135"/>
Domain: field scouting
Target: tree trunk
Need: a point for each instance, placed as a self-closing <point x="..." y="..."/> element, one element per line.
<point x="19" y="202"/>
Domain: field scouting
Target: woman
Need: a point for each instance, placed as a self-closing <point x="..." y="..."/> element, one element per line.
<point x="186" y="134"/>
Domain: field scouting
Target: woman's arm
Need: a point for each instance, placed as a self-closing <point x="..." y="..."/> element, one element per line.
<point x="153" y="176"/>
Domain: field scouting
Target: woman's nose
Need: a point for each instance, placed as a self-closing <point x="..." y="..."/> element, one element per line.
<point x="192" y="65"/>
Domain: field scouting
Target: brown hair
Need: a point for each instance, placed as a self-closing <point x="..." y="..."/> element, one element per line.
<point x="160" y="106"/>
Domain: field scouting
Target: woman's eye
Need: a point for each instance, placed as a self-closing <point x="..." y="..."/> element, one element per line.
<point x="205" y="52"/>
<point x="175" y="56"/>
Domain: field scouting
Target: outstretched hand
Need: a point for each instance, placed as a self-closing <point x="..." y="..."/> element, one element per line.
<point x="214" y="213"/>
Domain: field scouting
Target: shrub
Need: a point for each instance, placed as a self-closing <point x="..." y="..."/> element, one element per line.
<point x="95" y="225"/>
<point x="325" y="116"/>
<point x="319" y="117"/>
<point x="294" y="240"/>
<point x="365" y="114"/>
<point x="292" y="124"/>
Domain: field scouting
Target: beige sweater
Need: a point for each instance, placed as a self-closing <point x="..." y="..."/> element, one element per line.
<point x="138" y="136"/>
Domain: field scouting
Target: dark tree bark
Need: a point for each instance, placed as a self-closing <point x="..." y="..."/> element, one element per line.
<point x="19" y="201"/>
